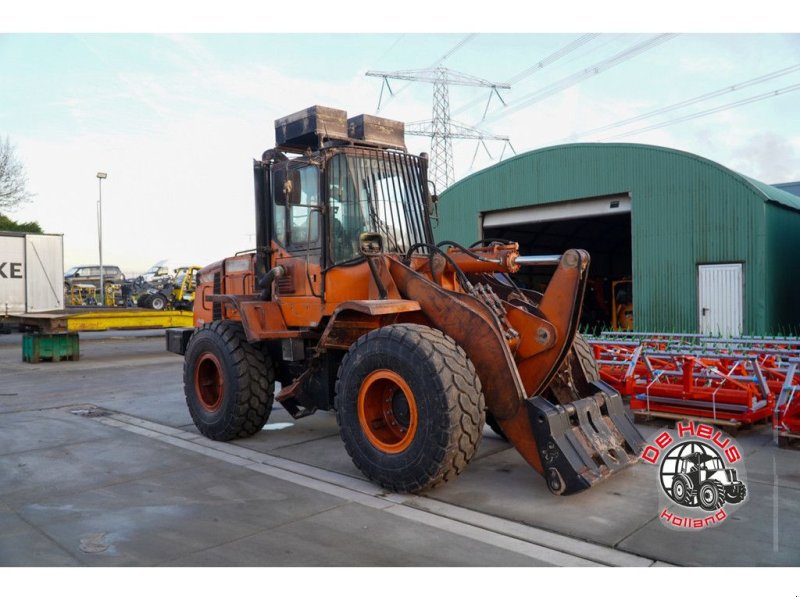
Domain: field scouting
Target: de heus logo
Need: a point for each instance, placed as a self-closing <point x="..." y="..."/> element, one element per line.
<point x="700" y="475"/>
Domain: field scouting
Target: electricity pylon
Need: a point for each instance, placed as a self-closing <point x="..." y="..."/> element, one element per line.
<point x="441" y="129"/>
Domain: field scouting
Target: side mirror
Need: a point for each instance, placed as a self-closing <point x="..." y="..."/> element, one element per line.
<point x="370" y="244"/>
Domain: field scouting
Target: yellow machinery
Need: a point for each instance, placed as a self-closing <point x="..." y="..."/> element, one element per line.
<point x="177" y="294"/>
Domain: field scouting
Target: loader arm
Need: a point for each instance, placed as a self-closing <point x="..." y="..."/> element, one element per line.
<point x="543" y="341"/>
<point x="573" y="446"/>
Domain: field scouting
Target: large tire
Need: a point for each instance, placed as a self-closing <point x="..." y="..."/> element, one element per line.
<point x="583" y="353"/>
<point x="409" y="407"/>
<point x="228" y="382"/>
<point x="578" y="370"/>
<point x="711" y="495"/>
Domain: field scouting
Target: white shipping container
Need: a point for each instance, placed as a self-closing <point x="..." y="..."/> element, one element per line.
<point x="31" y="272"/>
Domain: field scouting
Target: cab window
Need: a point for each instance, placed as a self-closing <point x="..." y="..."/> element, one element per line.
<point x="296" y="201"/>
<point x="348" y="215"/>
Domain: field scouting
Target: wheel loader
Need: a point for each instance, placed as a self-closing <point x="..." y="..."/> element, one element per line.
<point x="174" y="293"/>
<point x="352" y="307"/>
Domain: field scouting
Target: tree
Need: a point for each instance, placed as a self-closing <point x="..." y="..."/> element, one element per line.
<point x="7" y="224"/>
<point x="13" y="181"/>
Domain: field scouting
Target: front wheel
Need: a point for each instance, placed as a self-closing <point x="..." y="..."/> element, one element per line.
<point x="228" y="382"/>
<point x="157" y="302"/>
<point x="409" y="407"/>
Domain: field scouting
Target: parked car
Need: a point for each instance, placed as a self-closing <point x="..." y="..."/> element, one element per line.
<point x="158" y="272"/>
<point x="90" y="275"/>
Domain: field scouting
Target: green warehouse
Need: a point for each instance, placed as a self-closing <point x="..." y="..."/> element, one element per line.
<point x="708" y="249"/>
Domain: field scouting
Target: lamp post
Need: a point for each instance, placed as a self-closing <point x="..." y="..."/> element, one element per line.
<point x="100" y="177"/>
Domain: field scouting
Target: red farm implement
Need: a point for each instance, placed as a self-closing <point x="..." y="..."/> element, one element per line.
<point x="727" y="381"/>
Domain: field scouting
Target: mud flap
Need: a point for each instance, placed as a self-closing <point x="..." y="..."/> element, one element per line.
<point x="585" y="441"/>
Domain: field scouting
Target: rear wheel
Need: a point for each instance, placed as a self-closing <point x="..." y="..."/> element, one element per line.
<point x="228" y="382"/>
<point x="409" y="407"/>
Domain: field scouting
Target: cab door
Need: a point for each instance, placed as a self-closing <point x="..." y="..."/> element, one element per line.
<point x="298" y="240"/>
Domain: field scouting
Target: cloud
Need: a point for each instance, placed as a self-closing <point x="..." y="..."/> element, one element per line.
<point x="768" y="157"/>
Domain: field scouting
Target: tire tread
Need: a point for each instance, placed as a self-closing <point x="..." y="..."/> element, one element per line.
<point x="455" y="380"/>
<point x="255" y="375"/>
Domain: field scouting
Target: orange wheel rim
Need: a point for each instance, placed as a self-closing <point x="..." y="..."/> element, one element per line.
<point x="387" y="411"/>
<point x="208" y="381"/>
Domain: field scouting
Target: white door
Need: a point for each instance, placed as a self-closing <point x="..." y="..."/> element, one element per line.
<point x="720" y="299"/>
<point x="45" y="272"/>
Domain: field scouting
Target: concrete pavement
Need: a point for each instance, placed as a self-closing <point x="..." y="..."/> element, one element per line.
<point x="101" y="465"/>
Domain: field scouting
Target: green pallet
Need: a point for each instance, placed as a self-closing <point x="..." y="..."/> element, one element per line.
<point x="37" y="347"/>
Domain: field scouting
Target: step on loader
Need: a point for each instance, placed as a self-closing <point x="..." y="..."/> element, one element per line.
<point x="349" y="303"/>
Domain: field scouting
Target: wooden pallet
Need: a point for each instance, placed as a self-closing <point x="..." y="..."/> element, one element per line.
<point x="642" y="416"/>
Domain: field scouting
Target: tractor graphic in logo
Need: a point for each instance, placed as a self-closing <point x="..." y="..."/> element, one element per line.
<point x="693" y="474"/>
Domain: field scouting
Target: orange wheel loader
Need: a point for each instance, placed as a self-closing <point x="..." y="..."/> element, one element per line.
<point x="349" y="303"/>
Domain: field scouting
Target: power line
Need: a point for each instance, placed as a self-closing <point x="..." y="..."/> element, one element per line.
<point x="586" y="73"/>
<point x="546" y="61"/>
<point x="689" y="102"/>
<point x="389" y="50"/>
<point x="447" y="54"/>
<point x="710" y="111"/>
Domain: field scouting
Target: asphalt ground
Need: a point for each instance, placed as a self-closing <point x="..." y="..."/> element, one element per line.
<point x="100" y="465"/>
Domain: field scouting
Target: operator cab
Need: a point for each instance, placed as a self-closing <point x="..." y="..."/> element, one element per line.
<point x="329" y="180"/>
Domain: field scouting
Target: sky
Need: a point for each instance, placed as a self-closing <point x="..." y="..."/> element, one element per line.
<point x="175" y="119"/>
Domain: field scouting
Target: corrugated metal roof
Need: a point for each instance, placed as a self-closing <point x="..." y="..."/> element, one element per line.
<point x="793" y="187"/>
<point x="776" y="195"/>
<point x="770" y="193"/>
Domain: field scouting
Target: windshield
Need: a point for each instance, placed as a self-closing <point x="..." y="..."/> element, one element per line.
<point x="71" y="272"/>
<point x="378" y="191"/>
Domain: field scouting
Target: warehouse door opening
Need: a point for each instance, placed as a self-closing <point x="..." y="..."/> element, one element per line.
<point x="600" y="226"/>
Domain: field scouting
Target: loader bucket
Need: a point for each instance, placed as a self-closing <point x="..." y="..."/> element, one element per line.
<point x="574" y="442"/>
<point x="585" y="441"/>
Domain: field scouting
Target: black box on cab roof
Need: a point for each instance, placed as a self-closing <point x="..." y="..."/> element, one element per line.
<point x="377" y="131"/>
<point x="310" y="128"/>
